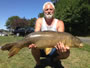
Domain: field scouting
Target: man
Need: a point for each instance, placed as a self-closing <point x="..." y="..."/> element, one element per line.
<point x="48" y="22"/>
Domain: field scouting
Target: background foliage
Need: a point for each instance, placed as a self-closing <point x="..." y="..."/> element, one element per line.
<point x="14" y="22"/>
<point x="75" y="14"/>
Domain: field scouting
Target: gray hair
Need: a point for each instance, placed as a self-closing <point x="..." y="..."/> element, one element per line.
<point x="48" y="3"/>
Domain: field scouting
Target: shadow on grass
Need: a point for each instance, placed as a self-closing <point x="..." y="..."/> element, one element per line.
<point x="52" y="64"/>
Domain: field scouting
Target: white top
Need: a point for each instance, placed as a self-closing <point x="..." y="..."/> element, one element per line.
<point x="46" y="27"/>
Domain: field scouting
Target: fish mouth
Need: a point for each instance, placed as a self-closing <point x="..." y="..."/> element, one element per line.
<point x="81" y="45"/>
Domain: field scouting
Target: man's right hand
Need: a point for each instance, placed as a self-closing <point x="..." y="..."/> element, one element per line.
<point x="32" y="46"/>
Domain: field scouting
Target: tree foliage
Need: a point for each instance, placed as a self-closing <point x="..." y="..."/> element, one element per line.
<point x="14" y="22"/>
<point x="32" y="22"/>
<point x="19" y="23"/>
<point x="41" y="14"/>
<point x="10" y="21"/>
<point x="75" y="14"/>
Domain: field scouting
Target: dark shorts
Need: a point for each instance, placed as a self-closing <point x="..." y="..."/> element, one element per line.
<point x="53" y="53"/>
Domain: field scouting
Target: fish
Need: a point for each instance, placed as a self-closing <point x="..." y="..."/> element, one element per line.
<point x="42" y="40"/>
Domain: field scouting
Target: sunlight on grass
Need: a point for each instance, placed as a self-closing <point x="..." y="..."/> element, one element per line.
<point x="6" y="39"/>
<point x="86" y="47"/>
<point x="78" y="59"/>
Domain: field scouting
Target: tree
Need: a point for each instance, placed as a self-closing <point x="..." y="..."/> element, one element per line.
<point x="16" y="22"/>
<point x="41" y="14"/>
<point x="32" y="22"/>
<point x="75" y="14"/>
<point x="19" y="23"/>
<point x="10" y="21"/>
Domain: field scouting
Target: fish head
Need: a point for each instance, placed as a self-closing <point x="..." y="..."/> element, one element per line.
<point x="77" y="42"/>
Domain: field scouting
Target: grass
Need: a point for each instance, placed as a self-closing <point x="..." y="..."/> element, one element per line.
<point x="79" y="57"/>
<point x="8" y="39"/>
<point x="86" y="48"/>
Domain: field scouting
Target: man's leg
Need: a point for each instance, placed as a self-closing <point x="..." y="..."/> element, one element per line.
<point x="56" y="56"/>
<point x="63" y="55"/>
<point x="36" y="55"/>
<point x="56" y="61"/>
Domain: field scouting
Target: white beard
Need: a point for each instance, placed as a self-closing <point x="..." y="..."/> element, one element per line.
<point x="48" y="16"/>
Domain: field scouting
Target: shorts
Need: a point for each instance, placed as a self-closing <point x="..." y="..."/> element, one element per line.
<point x="53" y="53"/>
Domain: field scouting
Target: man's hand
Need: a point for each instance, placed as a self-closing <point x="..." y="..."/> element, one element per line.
<point x="32" y="46"/>
<point x="61" y="48"/>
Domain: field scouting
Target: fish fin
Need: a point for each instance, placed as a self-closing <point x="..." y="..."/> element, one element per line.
<point x="7" y="46"/>
<point x="13" y="51"/>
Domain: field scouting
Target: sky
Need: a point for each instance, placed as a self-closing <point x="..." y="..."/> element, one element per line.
<point x="22" y="8"/>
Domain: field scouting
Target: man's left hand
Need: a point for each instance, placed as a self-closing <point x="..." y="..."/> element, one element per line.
<point x="61" y="48"/>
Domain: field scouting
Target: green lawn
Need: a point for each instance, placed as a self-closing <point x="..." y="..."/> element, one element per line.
<point x="79" y="58"/>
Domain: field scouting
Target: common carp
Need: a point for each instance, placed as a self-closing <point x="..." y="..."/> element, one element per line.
<point x="46" y="39"/>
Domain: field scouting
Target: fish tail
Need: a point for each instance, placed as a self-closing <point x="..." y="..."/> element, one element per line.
<point x="7" y="46"/>
<point x="13" y="51"/>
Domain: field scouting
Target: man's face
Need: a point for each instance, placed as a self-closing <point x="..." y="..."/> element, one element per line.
<point x="48" y="11"/>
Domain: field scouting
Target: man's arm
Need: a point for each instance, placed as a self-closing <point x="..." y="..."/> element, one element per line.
<point x="60" y="26"/>
<point x="60" y="46"/>
<point x="37" y="28"/>
<point x="38" y="24"/>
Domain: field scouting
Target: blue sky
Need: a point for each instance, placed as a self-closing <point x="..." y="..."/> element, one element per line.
<point x="22" y="8"/>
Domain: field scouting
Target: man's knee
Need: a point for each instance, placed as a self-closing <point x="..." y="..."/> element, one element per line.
<point x="35" y="51"/>
<point x="64" y="55"/>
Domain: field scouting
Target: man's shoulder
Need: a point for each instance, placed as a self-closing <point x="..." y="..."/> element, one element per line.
<point x="39" y="20"/>
<point x="59" y="21"/>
